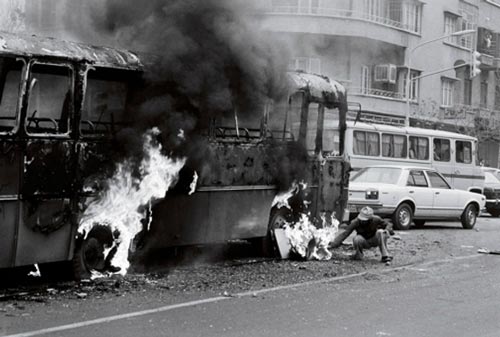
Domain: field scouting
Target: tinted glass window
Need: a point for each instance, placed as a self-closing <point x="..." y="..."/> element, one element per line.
<point x="441" y="149"/>
<point x="10" y="79"/>
<point x="463" y="152"/>
<point x="437" y="181"/>
<point x="366" y="143"/>
<point x="419" y="148"/>
<point x="393" y="146"/>
<point x="50" y="99"/>
<point x="417" y="178"/>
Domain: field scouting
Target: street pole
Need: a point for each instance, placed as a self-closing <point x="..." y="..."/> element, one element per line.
<point x="408" y="77"/>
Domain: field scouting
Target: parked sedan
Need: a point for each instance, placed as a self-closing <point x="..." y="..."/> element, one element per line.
<point x="412" y="193"/>
<point x="492" y="193"/>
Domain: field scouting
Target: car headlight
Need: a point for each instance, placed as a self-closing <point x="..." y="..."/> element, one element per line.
<point x="371" y="194"/>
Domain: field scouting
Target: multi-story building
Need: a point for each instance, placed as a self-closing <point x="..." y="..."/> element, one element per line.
<point x="370" y="45"/>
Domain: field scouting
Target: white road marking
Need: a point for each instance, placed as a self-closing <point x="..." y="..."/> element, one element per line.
<point x="218" y="299"/>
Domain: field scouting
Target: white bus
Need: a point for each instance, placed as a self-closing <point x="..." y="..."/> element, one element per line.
<point x="454" y="155"/>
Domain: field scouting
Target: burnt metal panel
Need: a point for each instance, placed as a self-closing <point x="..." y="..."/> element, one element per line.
<point x="48" y="168"/>
<point x="25" y="45"/>
<point x="10" y="159"/>
<point x="8" y="224"/>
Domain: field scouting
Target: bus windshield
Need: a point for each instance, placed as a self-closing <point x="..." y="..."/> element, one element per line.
<point x="10" y="80"/>
<point x="384" y="175"/>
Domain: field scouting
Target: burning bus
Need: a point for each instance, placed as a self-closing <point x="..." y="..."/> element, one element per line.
<point x="69" y="193"/>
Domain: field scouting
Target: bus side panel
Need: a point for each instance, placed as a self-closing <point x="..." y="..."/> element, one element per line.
<point x="239" y="214"/>
<point x="10" y="160"/>
<point x="44" y="232"/>
<point x="8" y="222"/>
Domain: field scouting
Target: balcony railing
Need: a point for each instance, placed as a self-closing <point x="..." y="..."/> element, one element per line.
<point x="343" y="13"/>
<point x="376" y="92"/>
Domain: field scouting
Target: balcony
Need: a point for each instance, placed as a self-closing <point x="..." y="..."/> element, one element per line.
<point x="361" y="15"/>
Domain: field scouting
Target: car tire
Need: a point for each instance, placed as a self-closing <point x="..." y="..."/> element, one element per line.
<point x="469" y="216"/>
<point x="419" y="223"/>
<point x="402" y="217"/>
<point x="89" y="253"/>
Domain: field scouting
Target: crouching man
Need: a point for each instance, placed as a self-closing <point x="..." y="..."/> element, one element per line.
<point x="371" y="231"/>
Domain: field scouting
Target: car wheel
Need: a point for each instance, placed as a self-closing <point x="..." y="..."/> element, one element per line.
<point x="419" y="223"/>
<point x="494" y="213"/>
<point x="402" y="217"/>
<point x="89" y="254"/>
<point x="469" y="216"/>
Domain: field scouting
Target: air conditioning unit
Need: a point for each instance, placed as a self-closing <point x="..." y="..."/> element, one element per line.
<point x="386" y="73"/>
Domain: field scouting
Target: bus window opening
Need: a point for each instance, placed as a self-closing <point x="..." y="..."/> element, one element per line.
<point x="393" y="146"/>
<point x="105" y="101"/>
<point x="464" y="152"/>
<point x="366" y="143"/>
<point x="50" y="97"/>
<point x="419" y="148"/>
<point x="10" y="80"/>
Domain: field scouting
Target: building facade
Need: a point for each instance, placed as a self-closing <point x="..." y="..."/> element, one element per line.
<point x="370" y="45"/>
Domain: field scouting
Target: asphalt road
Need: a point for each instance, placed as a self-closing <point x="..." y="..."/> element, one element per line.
<point x="451" y="296"/>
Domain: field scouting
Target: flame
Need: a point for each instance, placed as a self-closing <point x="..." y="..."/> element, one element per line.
<point x="309" y="241"/>
<point x="306" y="239"/>
<point x="192" y="186"/>
<point x="121" y="205"/>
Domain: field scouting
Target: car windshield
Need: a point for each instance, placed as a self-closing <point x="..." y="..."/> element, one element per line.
<point x="490" y="178"/>
<point x="386" y="175"/>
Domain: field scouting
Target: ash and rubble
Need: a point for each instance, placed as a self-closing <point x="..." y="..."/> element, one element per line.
<point x="232" y="269"/>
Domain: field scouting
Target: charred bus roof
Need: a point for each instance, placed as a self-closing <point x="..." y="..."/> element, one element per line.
<point x="35" y="46"/>
<point x="320" y="89"/>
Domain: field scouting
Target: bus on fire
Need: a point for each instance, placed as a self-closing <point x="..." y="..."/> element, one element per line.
<point x="64" y="110"/>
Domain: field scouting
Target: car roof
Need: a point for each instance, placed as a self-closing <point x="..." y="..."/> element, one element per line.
<point x="408" y="167"/>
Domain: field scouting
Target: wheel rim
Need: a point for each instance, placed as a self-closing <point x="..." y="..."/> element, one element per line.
<point x="404" y="217"/>
<point x="471" y="216"/>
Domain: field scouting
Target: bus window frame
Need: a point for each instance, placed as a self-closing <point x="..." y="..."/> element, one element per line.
<point x="392" y="142"/>
<point x="417" y="144"/>
<point x="21" y="93"/>
<point x="440" y="151"/>
<point x="367" y="153"/>
<point x="463" y="162"/>
<point x="71" y="114"/>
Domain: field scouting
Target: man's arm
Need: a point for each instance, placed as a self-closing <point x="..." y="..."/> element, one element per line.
<point x="384" y="224"/>
<point x="343" y="235"/>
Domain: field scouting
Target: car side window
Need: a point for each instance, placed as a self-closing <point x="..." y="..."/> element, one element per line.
<point x="417" y="178"/>
<point x="437" y="181"/>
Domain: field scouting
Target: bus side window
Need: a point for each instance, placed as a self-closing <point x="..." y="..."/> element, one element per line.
<point x="50" y="99"/>
<point x="366" y="143"/>
<point x="393" y="146"/>
<point x="463" y="152"/>
<point x="441" y="149"/>
<point x="419" y="148"/>
<point x="10" y="79"/>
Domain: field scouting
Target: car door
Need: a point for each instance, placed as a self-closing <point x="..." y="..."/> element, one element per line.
<point x="418" y="188"/>
<point x="445" y="199"/>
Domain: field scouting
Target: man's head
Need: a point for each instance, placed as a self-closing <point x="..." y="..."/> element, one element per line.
<point x="365" y="214"/>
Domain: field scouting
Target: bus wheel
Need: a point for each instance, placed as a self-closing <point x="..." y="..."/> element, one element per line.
<point x="89" y="253"/>
<point x="279" y="217"/>
<point x="419" y="223"/>
<point x="402" y="217"/>
<point x="469" y="216"/>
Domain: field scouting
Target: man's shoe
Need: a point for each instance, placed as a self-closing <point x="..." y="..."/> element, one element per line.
<point x="386" y="259"/>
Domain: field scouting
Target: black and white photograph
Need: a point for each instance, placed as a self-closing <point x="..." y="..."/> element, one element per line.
<point x="250" y="168"/>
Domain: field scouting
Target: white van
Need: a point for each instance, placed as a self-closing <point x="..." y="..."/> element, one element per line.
<point x="452" y="154"/>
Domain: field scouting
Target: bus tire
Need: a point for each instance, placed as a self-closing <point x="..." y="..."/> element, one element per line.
<point x="419" y="223"/>
<point x="469" y="216"/>
<point x="277" y="219"/>
<point x="89" y="252"/>
<point x="402" y="217"/>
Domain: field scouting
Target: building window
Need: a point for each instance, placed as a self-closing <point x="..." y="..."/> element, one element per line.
<point x="307" y="64"/>
<point x="365" y="80"/>
<point x="413" y="85"/>
<point x="467" y="91"/>
<point x="468" y="20"/>
<point x="447" y="87"/>
<point x="402" y="14"/>
<point x="450" y="26"/>
<point x="484" y="94"/>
